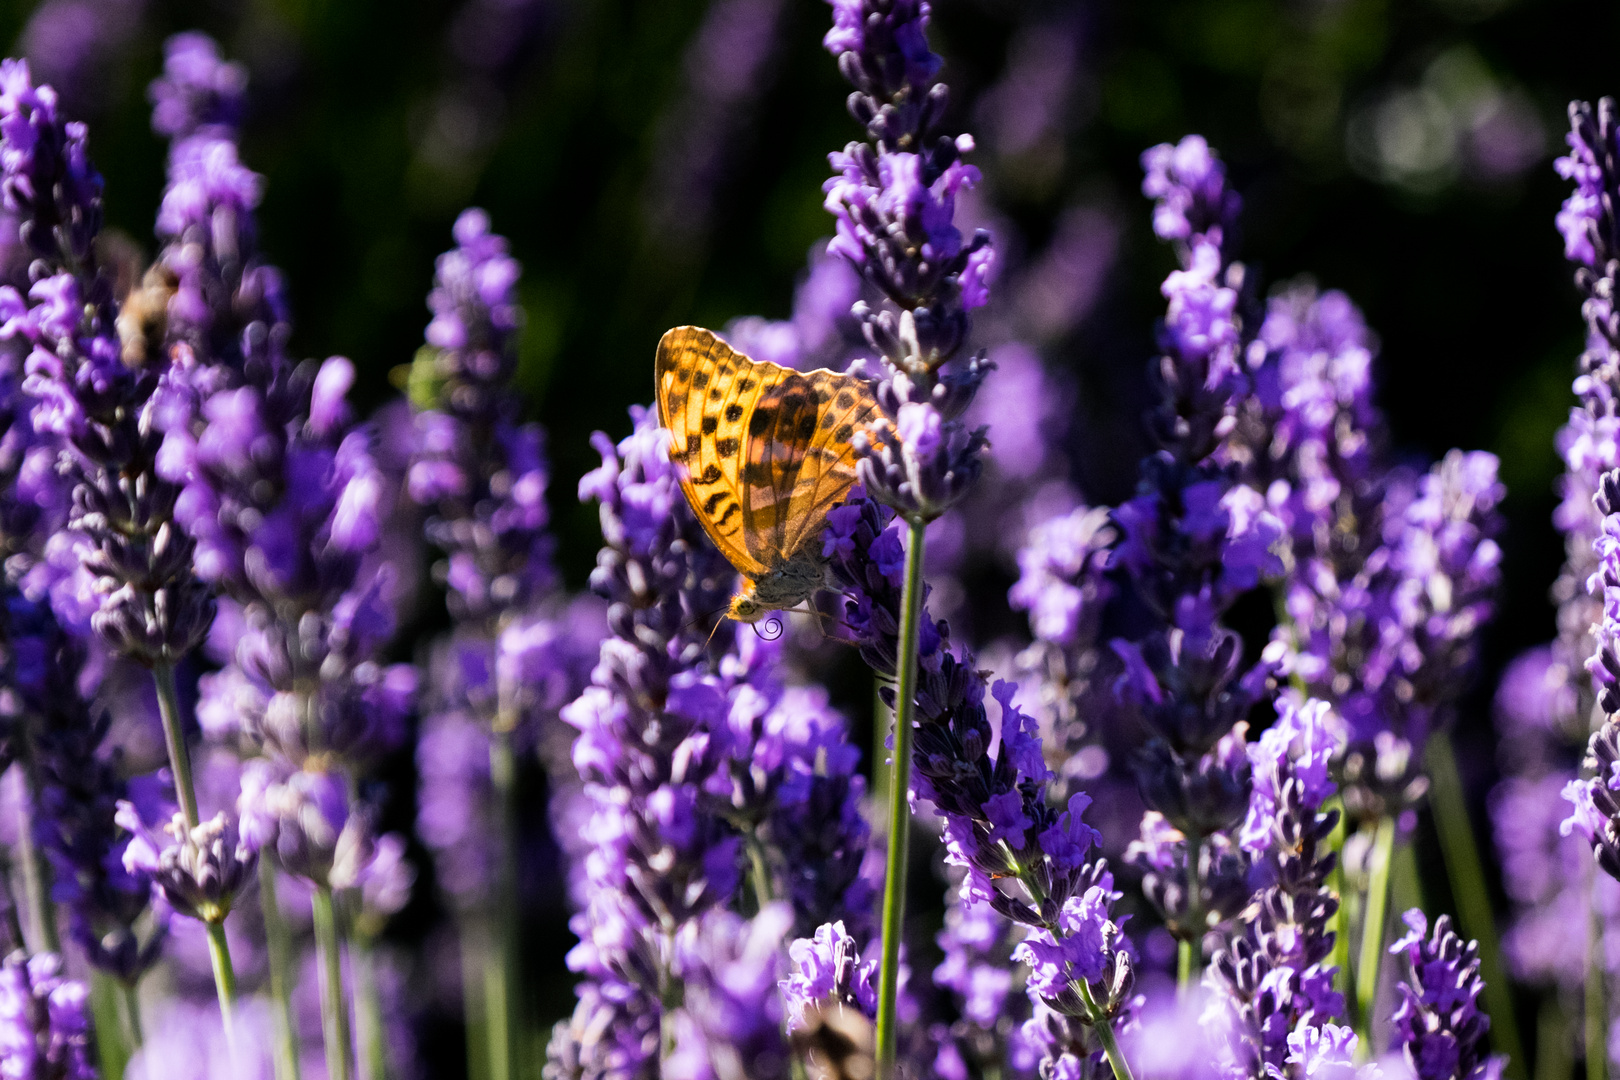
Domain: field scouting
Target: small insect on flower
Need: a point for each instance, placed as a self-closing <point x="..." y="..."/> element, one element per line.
<point x="767" y="451"/>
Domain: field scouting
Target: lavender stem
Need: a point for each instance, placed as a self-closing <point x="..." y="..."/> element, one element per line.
<point x="129" y="1015"/>
<point x="1372" y="927"/>
<point x="219" y="952"/>
<point x="112" y="1050"/>
<point x="1105" y="1032"/>
<point x="500" y="973"/>
<point x="174" y="737"/>
<point x="334" y="1005"/>
<point x="1597" y="1003"/>
<point x="1468" y="887"/>
<point x="474" y="942"/>
<point x="1343" y="980"/>
<point x="894" y="878"/>
<point x="41" y="920"/>
<point x="280" y="957"/>
<point x="1190" y="950"/>
<point x="1552" y="1041"/>
<point x="369" y="1013"/>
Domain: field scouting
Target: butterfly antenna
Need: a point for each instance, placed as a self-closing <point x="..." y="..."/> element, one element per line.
<point x="713" y="632"/>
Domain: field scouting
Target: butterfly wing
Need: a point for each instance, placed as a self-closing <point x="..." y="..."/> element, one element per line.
<point x="767" y="450"/>
<point x="801" y="457"/>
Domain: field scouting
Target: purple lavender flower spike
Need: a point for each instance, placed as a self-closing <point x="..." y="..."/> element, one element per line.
<point x="151" y="607"/>
<point x="1193" y="540"/>
<point x="1272" y="976"/>
<point x="1438" y="1025"/>
<point x="198" y="88"/>
<point x="79" y="789"/>
<point x="894" y="198"/>
<point x="662" y="855"/>
<point x="44" y="1020"/>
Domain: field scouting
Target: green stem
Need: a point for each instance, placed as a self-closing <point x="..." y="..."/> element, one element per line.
<point x="1552" y="1040"/>
<point x="474" y="945"/>
<point x="111" y="1046"/>
<point x="130" y="1015"/>
<point x="41" y="921"/>
<point x="1597" y="1005"/>
<point x="894" y="880"/>
<point x="1341" y="917"/>
<point x="759" y="874"/>
<point x="334" y="1003"/>
<point x="174" y="737"/>
<point x="1372" y="927"/>
<point x="500" y="962"/>
<point x="280" y="946"/>
<point x="219" y="953"/>
<point x="1105" y="1032"/>
<point x="1470" y="893"/>
<point x="369" y="1013"/>
<point x="1190" y="950"/>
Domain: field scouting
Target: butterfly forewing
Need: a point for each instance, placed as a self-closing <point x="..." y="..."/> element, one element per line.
<point x="767" y="450"/>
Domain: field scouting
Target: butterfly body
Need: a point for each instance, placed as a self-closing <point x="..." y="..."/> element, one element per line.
<point x="767" y="451"/>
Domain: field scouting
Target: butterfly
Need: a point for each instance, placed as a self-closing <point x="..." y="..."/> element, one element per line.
<point x="767" y="452"/>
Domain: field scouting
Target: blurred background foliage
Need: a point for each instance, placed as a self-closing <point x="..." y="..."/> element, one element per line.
<point x="658" y="162"/>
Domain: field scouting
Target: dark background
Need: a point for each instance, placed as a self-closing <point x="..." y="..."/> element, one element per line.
<point x="649" y="175"/>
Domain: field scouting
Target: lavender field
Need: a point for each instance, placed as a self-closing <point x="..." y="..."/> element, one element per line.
<point x="720" y="539"/>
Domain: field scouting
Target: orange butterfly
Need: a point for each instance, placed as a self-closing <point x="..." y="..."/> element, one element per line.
<point x="768" y="453"/>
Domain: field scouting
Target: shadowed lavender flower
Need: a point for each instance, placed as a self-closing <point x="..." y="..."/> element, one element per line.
<point x="44" y="1022"/>
<point x="1024" y="859"/>
<point x="1193" y="540"/>
<point x="1393" y="644"/>
<point x="79" y="789"/>
<point x="1273" y="975"/>
<point x="199" y="870"/>
<point x="150" y="606"/>
<point x="1438" y="1025"/>
<point x="894" y="198"/>
<point x="306" y="817"/>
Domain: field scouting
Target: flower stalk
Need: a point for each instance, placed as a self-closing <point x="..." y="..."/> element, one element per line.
<point x="1472" y="897"/>
<point x="1380" y="859"/>
<point x="279" y="942"/>
<point x="894" y="879"/>
<point x="334" y="1003"/>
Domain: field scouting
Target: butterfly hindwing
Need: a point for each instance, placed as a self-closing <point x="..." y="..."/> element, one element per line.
<point x="767" y="450"/>
<point x="801" y="459"/>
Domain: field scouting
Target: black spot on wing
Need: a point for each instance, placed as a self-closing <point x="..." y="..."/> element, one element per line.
<point x="710" y="423"/>
<point x="711" y="475"/>
<point x="700" y="380"/>
<point x="762" y="419"/>
<point x="734" y="412"/>
<point x="726" y="447"/>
